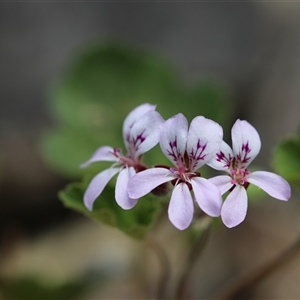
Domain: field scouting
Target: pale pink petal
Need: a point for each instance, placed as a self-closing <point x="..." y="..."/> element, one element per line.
<point x="207" y="196"/>
<point x="144" y="182"/>
<point x="121" y="193"/>
<point x="222" y="182"/>
<point x="204" y="140"/>
<point x="234" y="209"/>
<point x="173" y="139"/>
<point x="104" y="153"/>
<point x="144" y="134"/>
<point x="222" y="159"/>
<point x="181" y="207"/>
<point x="97" y="185"/>
<point x="245" y="142"/>
<point x="272" y="184"/>
<point x="135" y="115"/>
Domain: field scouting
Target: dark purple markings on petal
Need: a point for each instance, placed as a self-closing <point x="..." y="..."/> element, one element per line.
<point x="221" y="157"/>
<point x="243" y="156"/>
<point x="116" y="152"/>
<point x="197" y="154"/>
<point x="135" y="142"/>
<point x="138" y="140"/>
<point x="174" y="152"/>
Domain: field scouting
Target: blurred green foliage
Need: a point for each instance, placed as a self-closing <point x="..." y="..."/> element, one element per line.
<point x="101" y="86"/>
<point x="29" y="288"/>
<point x="134" y="222"/>
<point x="286" y="160"/>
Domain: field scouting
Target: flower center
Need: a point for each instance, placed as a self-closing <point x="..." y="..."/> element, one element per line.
<point x="183" y="174"/>
<point x="127" y="161"/>
<point x="239" y="176"/>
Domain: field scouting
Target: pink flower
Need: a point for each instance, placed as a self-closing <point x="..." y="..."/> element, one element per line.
<point x="188" y="150"/>
<point x="246" y="145"/>
<point x="141" y="130"/>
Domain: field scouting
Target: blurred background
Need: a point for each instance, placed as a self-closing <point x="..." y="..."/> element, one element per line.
<point x="250" y="50"/>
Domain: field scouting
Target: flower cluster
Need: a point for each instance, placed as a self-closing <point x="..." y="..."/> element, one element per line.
<point x="188" y="148"/>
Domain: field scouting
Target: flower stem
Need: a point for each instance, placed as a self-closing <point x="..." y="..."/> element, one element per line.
<point x="240" y="287"/>
<point x="194" y="253"/>
<point x="165" y="268"/>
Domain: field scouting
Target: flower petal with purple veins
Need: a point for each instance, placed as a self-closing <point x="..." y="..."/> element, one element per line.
<point x="173" y="139"/>
<point x="134" y="116"/>
<point x="272" y="184"/>
<point x="222" y="182"/>
<point x="234" y="209"/>
<point x="144" y="182"/>
<point x="97" y="185"/>
<point x="207" y="196"/>
<point x="121" y="194"/>
<point x="105" y="153"/>
<point x="245" y="142"/>
<point x="204" y="140"/>
<point x="222" y="159"/>
<point x="181" y="208"/>
<point x="144" y="134"/>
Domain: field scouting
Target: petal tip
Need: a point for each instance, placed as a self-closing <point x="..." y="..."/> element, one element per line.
<point x="88" y="204"/>
<point x="129" y="206"/>
<point x="232" y="222"/>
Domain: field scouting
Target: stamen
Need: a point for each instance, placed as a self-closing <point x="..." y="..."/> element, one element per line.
<point x="239" y="176"/>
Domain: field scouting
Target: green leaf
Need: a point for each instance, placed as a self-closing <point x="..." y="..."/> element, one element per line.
<point x="286" y="160"/>
<point x="106" y="81"/>
<point x="102" y="86"/>
<point x="134" y="222"/>
<point x="90" y="103"/>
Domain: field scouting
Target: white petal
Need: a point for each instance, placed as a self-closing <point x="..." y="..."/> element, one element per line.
<point x="97" y="185"/>
<point x="222" y="159"/>
<point x="173" y="139"/>
<point x="207" y="196"/>
<point x="234" y="209"/>
<point x="272" y="184"/>
<point x="121" y="193"/>
<point x="135" y="115"/>
<point x="222" y="182"/>
<point x="104" y="153"/>
<point x="144" y="182"/>
<point x="204" y="140"/>
<point x="245" y="141"/>
<point x="144" y="134"/>
<point x="181" y="208"/>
